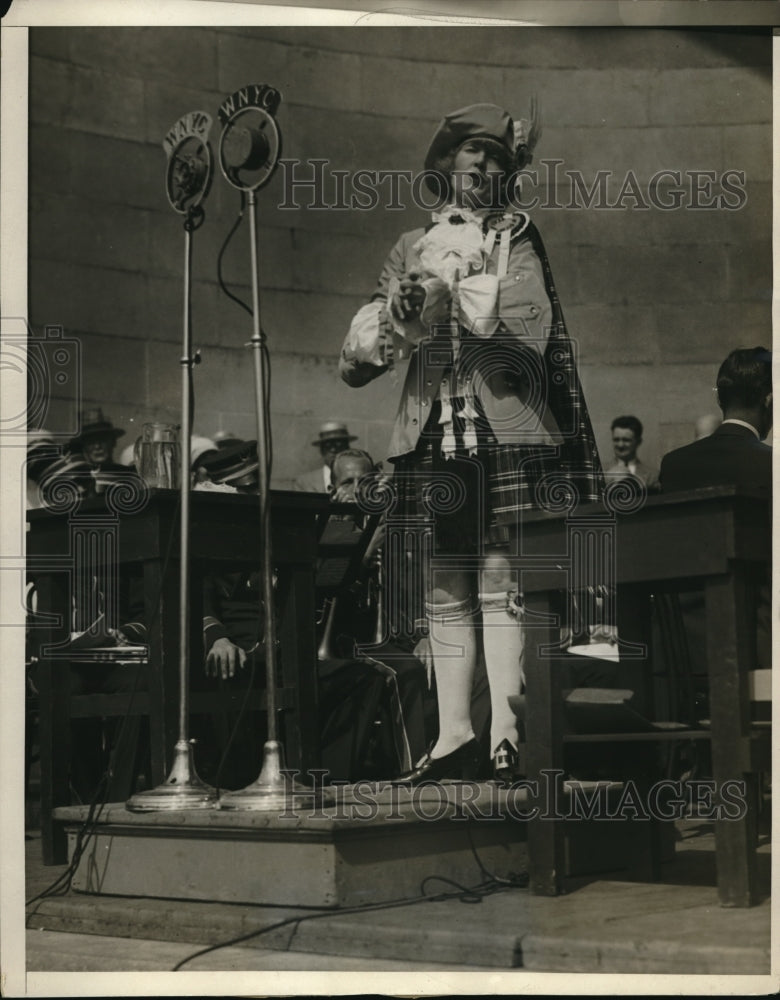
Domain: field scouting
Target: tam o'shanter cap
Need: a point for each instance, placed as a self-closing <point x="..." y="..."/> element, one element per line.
<point x="94" y="424"/>
<point x="483" y="121"/>
<point x="516" y="138"/>
<point x="334" y="430"/>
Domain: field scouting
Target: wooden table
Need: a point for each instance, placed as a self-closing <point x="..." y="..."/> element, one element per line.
<point x="713" y="538"/>
<point x="225" y="534"/>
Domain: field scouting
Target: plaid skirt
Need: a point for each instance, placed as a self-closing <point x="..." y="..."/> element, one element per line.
<point x="472" y="501"/>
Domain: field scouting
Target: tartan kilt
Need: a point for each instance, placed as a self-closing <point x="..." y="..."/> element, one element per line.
<point x="473" y="501"/>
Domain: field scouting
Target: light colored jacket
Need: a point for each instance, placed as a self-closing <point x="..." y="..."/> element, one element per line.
<point x="647" y="474"/>
<point x="505" y="321"/>
<point x="310" y="482"/>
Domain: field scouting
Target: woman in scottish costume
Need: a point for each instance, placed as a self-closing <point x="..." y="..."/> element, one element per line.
<point x="491" y="415"/>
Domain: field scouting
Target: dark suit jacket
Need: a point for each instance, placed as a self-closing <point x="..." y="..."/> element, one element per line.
<point x="732" y="456"/>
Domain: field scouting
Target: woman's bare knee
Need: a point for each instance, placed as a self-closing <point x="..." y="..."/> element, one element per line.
<point x="496" y="573"/>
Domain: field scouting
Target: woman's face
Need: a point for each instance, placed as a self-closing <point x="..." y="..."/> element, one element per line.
<point x="477" y="175"/>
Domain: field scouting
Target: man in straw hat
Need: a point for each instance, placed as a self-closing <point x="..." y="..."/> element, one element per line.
<point x="491" y="412"/>
<point x="333" y="438"/>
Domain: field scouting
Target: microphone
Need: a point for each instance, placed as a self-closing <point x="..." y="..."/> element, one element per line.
<point x="245" y="148"/>
<point x="190" y="162"/>
<point x="188" y="176"/>
<point x="251" y="143"/>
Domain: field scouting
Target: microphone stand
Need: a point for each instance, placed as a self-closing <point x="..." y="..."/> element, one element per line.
<point x="269" y="790"/>
<point x="248" y="152"/>
<point x="183" y="789"/>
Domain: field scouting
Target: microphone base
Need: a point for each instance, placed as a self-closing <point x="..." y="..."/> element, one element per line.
<point x="182" y="789"/>
<point x="271" y="791"/>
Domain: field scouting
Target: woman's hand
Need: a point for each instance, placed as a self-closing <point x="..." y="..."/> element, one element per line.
<point x="408" y="300"/>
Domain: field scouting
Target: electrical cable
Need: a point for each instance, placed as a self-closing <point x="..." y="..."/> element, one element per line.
<point x="62" y="884"/>
<point x="247" y="308"/>
<point x="515" y="880"/>
<point x="267" y="406"/>
<point x="466" y="894"/>
<point x="223" y="248"/>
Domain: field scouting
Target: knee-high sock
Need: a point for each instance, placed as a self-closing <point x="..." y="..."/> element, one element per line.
<point x="502" y="640"/>
<point x="454" y="649"/>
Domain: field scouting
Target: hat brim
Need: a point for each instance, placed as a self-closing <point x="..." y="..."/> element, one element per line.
<point x="335" y="437"/>
<point x="241" y="476"/>
<point x="113" y="432"/>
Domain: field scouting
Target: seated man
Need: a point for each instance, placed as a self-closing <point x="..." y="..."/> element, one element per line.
<point x="334" y="438"/>
<point x="626" y="438"/>
<point x="354" y="693"/>
<point x="706" y="424"/>
<point x="348" y="468"/>
<point x="389" y="672"/>
<point x="734" y="455"/>
<point x="95" y="444"/>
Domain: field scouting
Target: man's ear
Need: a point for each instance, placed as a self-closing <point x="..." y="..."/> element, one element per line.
<point x="768" y="400"/>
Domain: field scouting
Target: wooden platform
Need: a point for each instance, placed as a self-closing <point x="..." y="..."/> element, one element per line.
<point x="371" y="843"/>
<point x="361" y="848"/>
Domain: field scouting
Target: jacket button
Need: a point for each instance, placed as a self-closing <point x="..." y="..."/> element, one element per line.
<point x="428" y="382"/>
<point x="414" y="420"/>
<point x="424" y="402"/>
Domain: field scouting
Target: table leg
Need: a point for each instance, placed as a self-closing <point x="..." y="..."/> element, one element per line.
<point x="54" y="719"/>
<point x="544" y="742"/>
<point x="634" y="616"/>
<point x="730" y="649"/>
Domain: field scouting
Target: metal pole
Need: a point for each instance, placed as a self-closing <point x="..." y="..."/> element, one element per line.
<point x="260" y="371"/>
<point x="182" y="789"/>
<point x="269" y="791"/>
<point x="184" y="536"/>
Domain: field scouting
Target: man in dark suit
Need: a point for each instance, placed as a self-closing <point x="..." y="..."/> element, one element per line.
<point x="735" y="454"/>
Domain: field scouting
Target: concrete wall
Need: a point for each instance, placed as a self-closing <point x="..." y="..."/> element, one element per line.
<point x="654" y="299"/>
